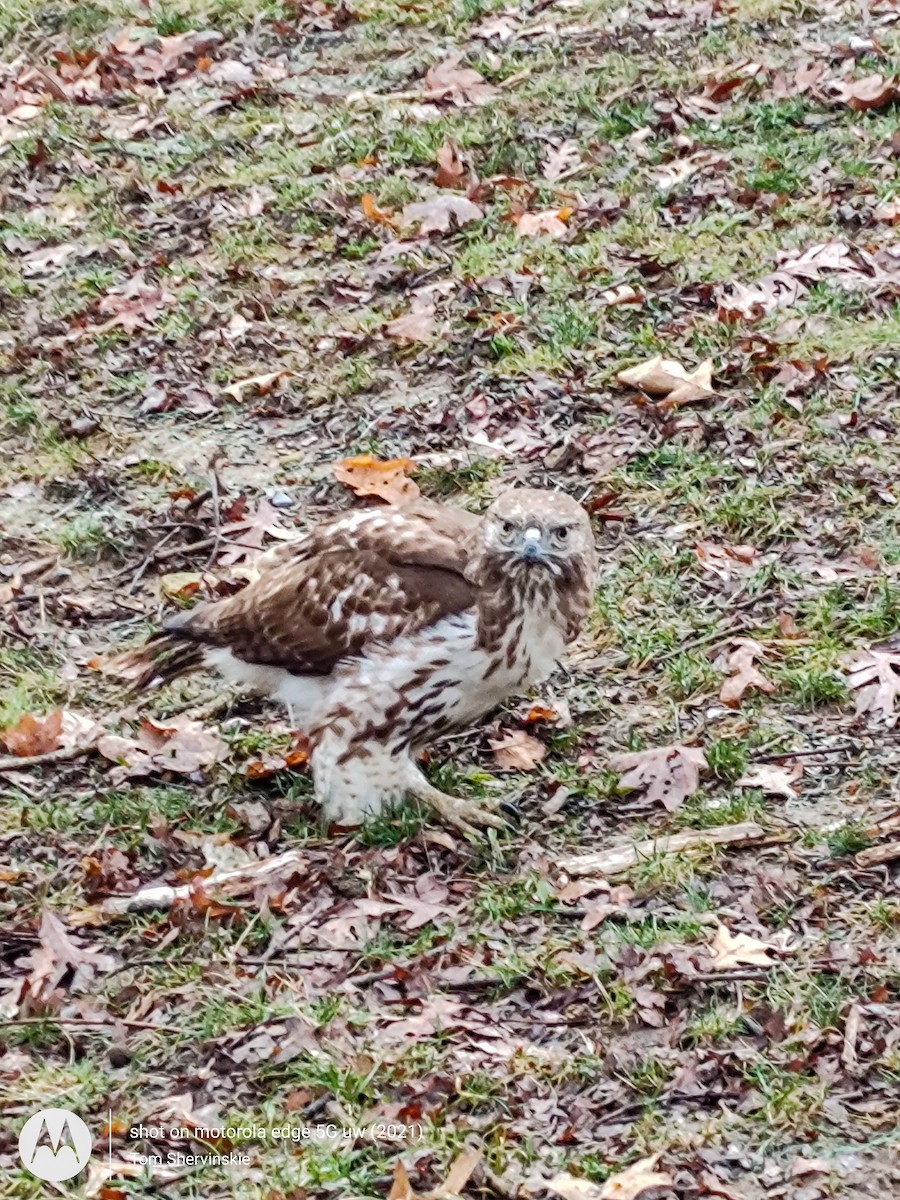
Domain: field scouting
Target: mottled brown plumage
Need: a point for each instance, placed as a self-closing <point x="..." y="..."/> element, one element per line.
<point x="385" y="628"/>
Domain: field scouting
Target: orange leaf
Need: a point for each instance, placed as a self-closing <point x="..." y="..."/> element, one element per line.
<point x="371" y="211"/>
<point x="33" y="734"/>
<point x="368" y="476"/>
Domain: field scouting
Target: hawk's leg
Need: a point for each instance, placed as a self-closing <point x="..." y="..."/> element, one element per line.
<point x="464" y="815"/>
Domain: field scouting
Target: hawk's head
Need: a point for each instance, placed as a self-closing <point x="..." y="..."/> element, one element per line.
<point x="533" y="528"/>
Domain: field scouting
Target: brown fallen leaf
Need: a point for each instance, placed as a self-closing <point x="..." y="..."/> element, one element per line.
<point x="401" y="1188"/>
<point x="732" y="949"/>
<point x="874" y="91"/>
<point x="561" y="160"/>
<point x="179" y="744"/>
<point x="261" y="383"/>
<point x="435" y="215"/>
<point x="415" y="326"/>
<point x="451" y="169"/>
<point x="518" y="751"/>
<point x="386" y="479"/>
<point x="573" y="1187"/>
<point x="551" y="222"/>
<point x="668" y="774"/>
<point x="774" y="780"/>
<point x="875" y="677"/>
<point x="56" y="954"/>
<point x="33" y="734"/>
<point x="631" y="1183"/>
<point x="665" y="377"/>
<point x="447" y="80"/>
<point x="371" y="211"/>
<point x="888" y="211"/>
<point x="742" y="672"/>
<point x="135" y="307"/>
<point x="458" y="1176"/>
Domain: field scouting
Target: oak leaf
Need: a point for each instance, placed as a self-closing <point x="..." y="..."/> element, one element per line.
<point x="875" y="676"/>
<point x="561" y="160"/>
<point x="447" y="80"/>
<point x="631" y="1183"/>
<point x="667" y="774"/>
<point x="551" y="222"/>
<point x="451" y="168"/>
<point x="667" y="378"/>
<point x="436" y="214"/>
<point x="386" y="479"/>
<point x="733" y="949"/>
<point x="874" y="91"/>
<point x="774" y="780"/>
<point x="742" y="672"/>
<point x="415" y="326"/>
<point x="518" y="751"/>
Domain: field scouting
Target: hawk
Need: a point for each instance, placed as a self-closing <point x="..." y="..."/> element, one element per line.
<point x="386" y="628"/>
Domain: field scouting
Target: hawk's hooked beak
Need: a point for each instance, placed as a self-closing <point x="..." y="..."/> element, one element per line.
<point x="532" y="549"/>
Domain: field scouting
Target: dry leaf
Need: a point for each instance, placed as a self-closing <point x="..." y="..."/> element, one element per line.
<point x="889" y="211"/>
<point x="640" y="1177"/>
<point x="262" y="383"/>
<point x="552" y="222"/>
<point x="461" y="85"/>
<point x="401" y="1188"/>
<point x="518" y="751"/>
<point x="874" y="91"/>
<point x="57" y="954"/>
<point x="416" y="326"/>
<point x="458" y="1176"/>
<point x="732" y="949"/>
<point x="622" y="293"/>
<point x="561" y="160"/>
<point x="571" y="1187"/>
<point x="368" y="476"/>
<point x="775" y="781"/>
<point x="740" y="666"/>
<point x="61" y="729"/>
<point x="876" y="673"/>
<point x="437" y="213"/>
<point x="451" y="169"/>
<point x="178" y="744"/>
<point x="33" y="734"/>
<point x="136" y="307"/>
<point x="665" y="377"/>
<point x="668" y="774"/>
<point x="371" y="211"/>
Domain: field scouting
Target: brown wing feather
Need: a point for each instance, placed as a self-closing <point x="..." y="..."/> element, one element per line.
<point x="419" y="534"/>
<point x="306" y="616"/>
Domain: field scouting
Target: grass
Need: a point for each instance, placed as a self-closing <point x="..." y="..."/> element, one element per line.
<point x="486" y="1016"/>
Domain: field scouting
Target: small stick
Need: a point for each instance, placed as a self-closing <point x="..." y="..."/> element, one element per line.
<point x="64" y="754"/>
<point x="103" y="1022"/>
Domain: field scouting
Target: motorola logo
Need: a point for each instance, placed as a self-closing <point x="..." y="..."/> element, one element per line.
<point x="55" y="1144"/>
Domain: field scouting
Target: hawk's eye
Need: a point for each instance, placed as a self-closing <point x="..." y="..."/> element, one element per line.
<point x="507" y="528"/>
<point x="561" y="533"/>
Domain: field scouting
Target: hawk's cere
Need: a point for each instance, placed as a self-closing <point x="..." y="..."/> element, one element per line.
<point x="386" y="628"/>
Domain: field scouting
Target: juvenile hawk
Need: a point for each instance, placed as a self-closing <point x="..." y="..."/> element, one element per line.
<point x="387" y="628"/>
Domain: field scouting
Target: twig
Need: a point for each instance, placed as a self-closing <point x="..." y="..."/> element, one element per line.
<point x="233" y="881"/>
<point x="873" y="856"/>
<point x="808" y="753"/>
<point x="103" y="1022"/>
<point x="622" y="858"/>
<point x="64" y="754"/>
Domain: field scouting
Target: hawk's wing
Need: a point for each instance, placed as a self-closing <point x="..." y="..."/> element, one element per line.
<point x="370" y="576"/>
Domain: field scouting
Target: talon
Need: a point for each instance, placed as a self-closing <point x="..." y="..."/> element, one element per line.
<point x="464" y="815"/>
